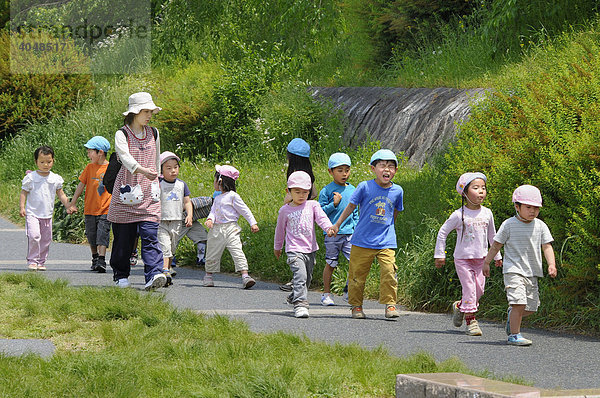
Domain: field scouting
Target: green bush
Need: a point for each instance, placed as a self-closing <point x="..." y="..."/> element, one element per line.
<point x="25" y="98"/>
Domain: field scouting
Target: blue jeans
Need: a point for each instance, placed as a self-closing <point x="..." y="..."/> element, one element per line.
<point x="125" y="236"/>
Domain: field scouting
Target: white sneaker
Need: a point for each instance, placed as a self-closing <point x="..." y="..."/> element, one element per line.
<point x="208" y="281"/>
<point x="301" y="312"/>
<point x="326" y="299"/>
<point x="158" y="280"/>
<point x="122" y="283"/>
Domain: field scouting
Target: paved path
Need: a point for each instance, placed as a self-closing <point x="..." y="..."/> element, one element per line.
<point x="553" y="361"/>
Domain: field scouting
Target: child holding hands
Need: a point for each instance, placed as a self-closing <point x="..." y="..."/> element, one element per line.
<point x="224" y="231"/>
<point x="97" y="201"/>
<point x="522" y="236"/>
<point x="475" y="228"/>
<point x="295" y="225"/>
<point x="39" y="189"/>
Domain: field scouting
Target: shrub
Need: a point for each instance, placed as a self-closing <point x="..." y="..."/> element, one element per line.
<point x="25" y="98"/>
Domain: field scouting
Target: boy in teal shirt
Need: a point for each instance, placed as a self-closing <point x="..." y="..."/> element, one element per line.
<point x="333" y="200"/>
<point x="379" y="200"/>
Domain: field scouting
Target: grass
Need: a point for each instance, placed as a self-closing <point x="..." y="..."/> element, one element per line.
<point x="119" y="342"/>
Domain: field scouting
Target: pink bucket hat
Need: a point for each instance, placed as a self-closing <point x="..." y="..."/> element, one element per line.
<point x="166" y="155"/>
<point x="527" y="195"/>
<point x="228" y="171"/>
<point x="299" y="179"/>
<point x="466" y="179"/>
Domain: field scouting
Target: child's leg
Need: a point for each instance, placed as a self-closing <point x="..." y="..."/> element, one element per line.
<point x="523" y="298"/>
<point x="327" y="274"/>
<point x="45" y="239"/>
<point x="360" y="263"/>
<point x="468" y="282"/>
<point x="298" y="265"/>
<point x="215" y="245"/>
<point x="197" y="234"/>
<point x="32" y="225"/>
<point x="234" y="245"/>
<point x="332" y="253"/>
<point x="164" y="241"/>
<point x="388" y="284"/>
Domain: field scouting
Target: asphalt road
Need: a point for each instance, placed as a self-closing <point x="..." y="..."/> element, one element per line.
<point x="553" y="361"/>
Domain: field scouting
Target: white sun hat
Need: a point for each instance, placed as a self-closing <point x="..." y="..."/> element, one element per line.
<point x="139" y="101"/>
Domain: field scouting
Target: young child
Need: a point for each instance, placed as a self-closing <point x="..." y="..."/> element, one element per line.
<point x="379" y="201"/>
<point x="298" y="157"/>
<point x="474" y="225"/>
<point x="174" y="199"/>
<point x="96" y="202"/>
<point x="224" y="231"/>
<point x="333" y="200"/>
<point x="38" y="191"/>
<point x="295" y="225"/>
<point x="522" y="237"/>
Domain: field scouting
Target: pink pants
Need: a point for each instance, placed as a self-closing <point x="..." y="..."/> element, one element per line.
<point x="470" y="274"/>
<point x="39" y="236"/>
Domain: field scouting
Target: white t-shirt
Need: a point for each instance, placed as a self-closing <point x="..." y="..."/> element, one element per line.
<point x="523" y="246"/>
<point x="41" y="193"/>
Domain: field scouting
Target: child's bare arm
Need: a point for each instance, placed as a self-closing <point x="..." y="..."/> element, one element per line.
<point x="347" y="211"/>
<point x="22" y="201"/>
<point x="78" y="191"/>
<point x="189" y="210"/>
<point x="63" y="198"/>
<point x="550" y="259"/>
<point x="494" y="249"/>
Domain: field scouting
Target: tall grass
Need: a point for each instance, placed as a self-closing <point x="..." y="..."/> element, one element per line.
<point x="119" y="342"/>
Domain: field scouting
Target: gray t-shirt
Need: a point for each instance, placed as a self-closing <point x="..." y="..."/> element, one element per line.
<point x="523" y="246"/>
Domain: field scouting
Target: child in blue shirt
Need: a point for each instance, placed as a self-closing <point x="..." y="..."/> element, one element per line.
<point x="379" y="200"/>
<point x="333" y="200"/>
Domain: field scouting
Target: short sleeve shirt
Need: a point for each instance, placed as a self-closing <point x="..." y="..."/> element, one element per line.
<point x="523" y="246"/>
<point x="97" y="198"/>
<point x="41" y="193"/>
<point x="376" y="205"/>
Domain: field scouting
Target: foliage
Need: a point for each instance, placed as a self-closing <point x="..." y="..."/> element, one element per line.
<point x="25" y="98"/>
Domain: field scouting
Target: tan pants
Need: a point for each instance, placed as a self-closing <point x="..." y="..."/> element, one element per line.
<point x="222" y="236"/>
<point x="360" y="264"/>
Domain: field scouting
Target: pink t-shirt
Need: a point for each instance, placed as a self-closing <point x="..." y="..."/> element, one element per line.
<point x="296" y="225"/>
<point x="472" y="240"/>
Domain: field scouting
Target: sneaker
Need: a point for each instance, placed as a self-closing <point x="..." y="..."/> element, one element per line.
<point x="32" y="267"/>
<point x="208" y="281"/>
<point x="94" y="266"/>
<point x="508" y="321"/>
<point x="289" y="299"/>
<point x="248" y="281"/>
<point x="133" y="260"/>
<point x="101" y="266"/>
<point x="326" y="299"/>
<point x="517" y="339"/>
<point x="391" y="311"/>
<point x="286" y="287"/>
<point x="172" y="271"/>
<point x="457" y="316"/>
<point x="122" y="283"/>
<point x="158" y="280"/>
<point x="167" y="274"/>
<point x="41" y="267"/>
<point x="473" y="329"/>
<point x="357" y="312"/>
<point x="301" y="312"/>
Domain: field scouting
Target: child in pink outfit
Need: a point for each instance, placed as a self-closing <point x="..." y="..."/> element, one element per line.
<point x="296" y="225"/>
<point x="475" y="229"/>
<point x="38" y="192"/>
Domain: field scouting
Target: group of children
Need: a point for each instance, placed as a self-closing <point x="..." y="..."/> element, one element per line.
<point x="361" y="238"/>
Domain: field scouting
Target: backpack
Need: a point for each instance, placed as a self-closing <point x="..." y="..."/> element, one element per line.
<point x="114" y="165"/>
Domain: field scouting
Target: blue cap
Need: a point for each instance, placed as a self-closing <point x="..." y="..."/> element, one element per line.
<point x="338" y="159"/>
<point x="299" y="147"/>
<point x="98" y="142"/>
<point x="384" y="154"/>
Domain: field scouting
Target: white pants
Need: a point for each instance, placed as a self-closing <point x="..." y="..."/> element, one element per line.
<point x="222" y="236"/>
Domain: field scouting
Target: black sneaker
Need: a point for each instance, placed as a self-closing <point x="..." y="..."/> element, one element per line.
<point x="101" y="266"/>
<point x="94" y="266"/>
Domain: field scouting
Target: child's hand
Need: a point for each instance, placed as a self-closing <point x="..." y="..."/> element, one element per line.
<point x="71" y="209"/>
<point x="439" y="262"/>
<point x="208" y="223"/>
<point x="254" y="228"/>
<point x="277" y="253"/>
<point x="486" y="269"/>
<point x="188" y="220"/>
<point x="332" y="231"/>
<point x="337" y="198"/>
<point x="552" y="271"/>
<point x="498" y="263"/>
<point x="22" y="212"/>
